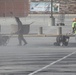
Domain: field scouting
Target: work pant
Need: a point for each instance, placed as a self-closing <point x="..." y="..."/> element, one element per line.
<point x="74" y="30"/>
<point x="21" y="38"/>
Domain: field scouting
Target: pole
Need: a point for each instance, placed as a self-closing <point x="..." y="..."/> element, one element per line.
<point x="51" y="8"/>
<point x="52" y="19"/>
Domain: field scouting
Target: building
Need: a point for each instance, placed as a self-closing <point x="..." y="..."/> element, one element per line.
<point x="17" y="7"/>
<point x="65" y="6"/>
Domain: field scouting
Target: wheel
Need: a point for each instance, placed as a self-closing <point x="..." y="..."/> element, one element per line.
<point x="56" y="44"/>
<point x="61" y="43"/>
<point x="5" y="40"/>
<point x="66" y="43"/>
<point x="59" y="39"/>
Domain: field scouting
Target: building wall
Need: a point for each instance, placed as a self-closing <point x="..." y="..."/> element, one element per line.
<point x="17" y="7"/>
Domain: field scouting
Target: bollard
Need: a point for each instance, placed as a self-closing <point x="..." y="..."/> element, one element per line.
<point x="59" y="31"/>
<point x="40" y="30"/>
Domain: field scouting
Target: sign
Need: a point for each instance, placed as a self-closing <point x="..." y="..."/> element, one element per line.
<point x="43" y="7"/>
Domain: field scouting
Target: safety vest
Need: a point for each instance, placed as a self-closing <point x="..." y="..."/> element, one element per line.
<point x="74" y="26"/>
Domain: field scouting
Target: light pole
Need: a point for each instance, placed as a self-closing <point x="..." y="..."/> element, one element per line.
<point x="51" y="8"/>
<point x="52" y="19"/>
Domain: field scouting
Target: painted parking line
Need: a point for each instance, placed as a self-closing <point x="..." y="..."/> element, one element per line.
<point x="52" y="63"/>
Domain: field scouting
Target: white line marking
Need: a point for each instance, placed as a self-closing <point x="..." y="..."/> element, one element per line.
<point x="51" y="64"/>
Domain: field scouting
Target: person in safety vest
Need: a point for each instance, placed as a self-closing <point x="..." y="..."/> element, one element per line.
<point x="74" y="25"/>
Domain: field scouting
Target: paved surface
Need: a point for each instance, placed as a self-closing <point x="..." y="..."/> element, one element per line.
<point x="39" y="56"/>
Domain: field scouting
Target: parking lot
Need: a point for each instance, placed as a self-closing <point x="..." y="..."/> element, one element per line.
<point x="39" y="56"/>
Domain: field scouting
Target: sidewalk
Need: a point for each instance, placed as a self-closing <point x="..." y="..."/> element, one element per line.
<point x="39" y="20"/>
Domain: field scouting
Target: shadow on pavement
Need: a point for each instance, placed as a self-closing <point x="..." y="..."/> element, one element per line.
<point x="72" y="45"/>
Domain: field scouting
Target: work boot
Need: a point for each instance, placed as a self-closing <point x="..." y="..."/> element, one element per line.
<point x="25" y="44"/>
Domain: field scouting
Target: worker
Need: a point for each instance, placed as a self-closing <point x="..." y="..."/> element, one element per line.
<point x="74" y="25"/>
<point x="20" y="32"/>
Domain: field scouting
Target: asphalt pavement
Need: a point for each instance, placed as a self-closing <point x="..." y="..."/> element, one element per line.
<point x="39" y="56"/>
